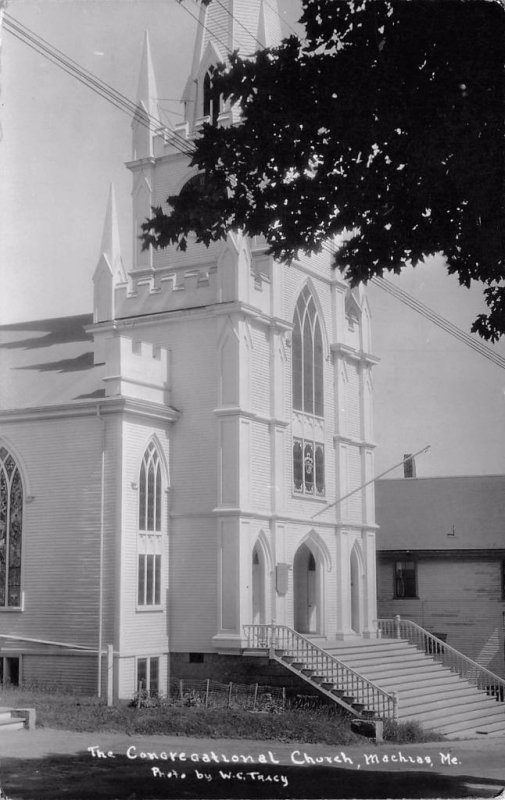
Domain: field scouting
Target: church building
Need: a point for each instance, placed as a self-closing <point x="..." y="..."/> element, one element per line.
<point x="187" y="461"/>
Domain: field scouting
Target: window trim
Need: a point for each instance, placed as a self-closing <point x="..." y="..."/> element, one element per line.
<point x="149" y="661"/>
<point x="303" y="492"/>
<point x="10" y="476"/>
<point x="396" y="578"/>
<point x="307" y="376"/>
<point x="151" y="516"/>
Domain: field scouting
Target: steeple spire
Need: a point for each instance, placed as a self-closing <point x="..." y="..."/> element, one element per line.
<point x="109" y="270"/>
<point x="225" y="26"/>
<point x="110" y="247"/>
<point x="147" y="106"/>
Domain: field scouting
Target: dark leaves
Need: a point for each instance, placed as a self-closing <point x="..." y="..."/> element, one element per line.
<point x="387" y="122"/>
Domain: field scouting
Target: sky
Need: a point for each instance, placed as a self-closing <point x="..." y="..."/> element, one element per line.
<point x="62" y="146"/>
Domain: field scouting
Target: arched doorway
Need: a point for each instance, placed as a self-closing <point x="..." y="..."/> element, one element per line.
<point x="355" y="593"/>
<point x="305" y="591"/>
<point x="258" y="586"/>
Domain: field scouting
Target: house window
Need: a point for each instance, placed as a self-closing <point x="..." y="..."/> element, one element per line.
<point x="308" y="467"/>
<point x="307" y="357"/>
<point x="405" y="579"/>
<point x="148" y="675"/>
<point x="11" y="524"/>
<point x="9" y="671"/>
<point x="150" y="524"/>
<point x="211" y="99"/>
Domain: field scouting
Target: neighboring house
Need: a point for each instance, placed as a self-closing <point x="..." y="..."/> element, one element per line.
<point x="171" y="468"/>
<point x="441" y="559"/>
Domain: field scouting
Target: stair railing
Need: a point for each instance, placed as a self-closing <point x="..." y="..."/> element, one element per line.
<point x="281" y="640"/>
<point x="446" y="655"/>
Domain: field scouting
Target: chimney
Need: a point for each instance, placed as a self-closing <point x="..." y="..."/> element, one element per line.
<point x="409" y="466"/>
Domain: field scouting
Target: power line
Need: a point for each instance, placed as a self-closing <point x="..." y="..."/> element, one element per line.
<point x="437" y="319"/>
<point x="199" y="21"/>
<point x="440" y="321"/>
<point x="232" y="15"/>
<point x="97" y="85"/>
<point x="123" y="103"/>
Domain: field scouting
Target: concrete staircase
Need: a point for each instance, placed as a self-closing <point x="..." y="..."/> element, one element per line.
<point x="427" y="691"/>
<point x="9" y="722"/>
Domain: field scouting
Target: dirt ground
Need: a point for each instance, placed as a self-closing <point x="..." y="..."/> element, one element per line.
<point x="48" y="764"/>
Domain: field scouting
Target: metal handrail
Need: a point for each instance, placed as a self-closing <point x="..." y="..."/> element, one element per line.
<point x="448" y="656"/>
<point x="323" y="664"/>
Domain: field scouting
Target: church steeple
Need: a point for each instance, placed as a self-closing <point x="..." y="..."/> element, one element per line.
<point x="147" y="106"/>
<point x="225" y="26"/>
<point x="110" y="270"/>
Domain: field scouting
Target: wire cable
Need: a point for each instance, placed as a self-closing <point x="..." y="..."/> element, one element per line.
<point x="100" y="87"/>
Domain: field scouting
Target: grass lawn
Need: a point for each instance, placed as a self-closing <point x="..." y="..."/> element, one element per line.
<point x="310" y="725"/>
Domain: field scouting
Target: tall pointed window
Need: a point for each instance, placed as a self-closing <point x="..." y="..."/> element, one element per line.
<point x="211" y="99"/>
<point x="11" y="524"/>
<point x="150" y="526"/>
<point x="307" y="357"/>
<point x="307" y="371"/>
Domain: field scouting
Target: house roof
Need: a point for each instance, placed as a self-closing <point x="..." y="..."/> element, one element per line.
<point x="450" y="513"/>
<point x="48" y="362"/>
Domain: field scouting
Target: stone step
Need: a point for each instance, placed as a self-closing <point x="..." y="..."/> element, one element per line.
<point x="9" y="723"/>
<point x="427" y="700"/>
<point x="465" y="713"/>
<point x="442" y="702"/>
<point x="435" y="682"/>
<point x="376" y="674"/>
<point x="464" y="727"/>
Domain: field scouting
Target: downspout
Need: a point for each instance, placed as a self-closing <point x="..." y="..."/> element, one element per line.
<point x="100" y="578"/>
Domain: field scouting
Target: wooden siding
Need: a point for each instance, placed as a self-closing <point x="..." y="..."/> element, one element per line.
<point x="61" y="530"/>
<point x="460" y="599"/>
<point x="76" y="672"/>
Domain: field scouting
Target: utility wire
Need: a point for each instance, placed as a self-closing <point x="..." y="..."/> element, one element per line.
<point x="197" y="18"/>
<point x="123" y="103"/>
<point x="232" y="15"/>
<point x="100" y="87"/>
<point x="437" y="319"/>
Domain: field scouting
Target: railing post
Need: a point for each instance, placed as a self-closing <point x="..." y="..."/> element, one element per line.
<point x="395" y="705"/>
<point x="397" y="626"/>
<point x="271" y="643"/>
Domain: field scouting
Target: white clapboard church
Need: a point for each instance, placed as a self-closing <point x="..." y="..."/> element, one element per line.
<point x="186" y="474"/>
<point x="168" y="466"/>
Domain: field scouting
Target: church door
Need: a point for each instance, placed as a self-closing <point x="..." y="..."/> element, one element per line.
<point x="305" y="586"/>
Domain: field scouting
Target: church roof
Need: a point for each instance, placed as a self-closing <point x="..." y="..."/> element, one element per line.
<point x="464" y="512"/>
<point x="48" y="362"/>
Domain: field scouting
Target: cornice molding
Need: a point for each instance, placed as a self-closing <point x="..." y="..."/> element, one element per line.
<point x="88" y="408"/>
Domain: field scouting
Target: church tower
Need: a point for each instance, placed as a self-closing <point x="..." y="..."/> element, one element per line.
<point x="268" y="436"/>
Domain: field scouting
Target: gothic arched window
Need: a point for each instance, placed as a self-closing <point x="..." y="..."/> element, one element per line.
<point x="211" y="99"/>
<point x="11" y="524"/>
<point x="307" y="357"/>
<point x="150" y="526"/>
<point x="307" y="371"/>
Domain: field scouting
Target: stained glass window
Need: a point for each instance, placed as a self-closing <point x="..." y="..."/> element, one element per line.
<point x="308" y="467"/>
<point x="11" y="525"/>
<point x="307" y="357"/>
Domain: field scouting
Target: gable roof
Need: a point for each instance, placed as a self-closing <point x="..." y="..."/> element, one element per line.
<point x="452" y="513"/>
<point x="48" y="362"/>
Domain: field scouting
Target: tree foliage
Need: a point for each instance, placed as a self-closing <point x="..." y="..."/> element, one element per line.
<point x="383" y="127"/>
